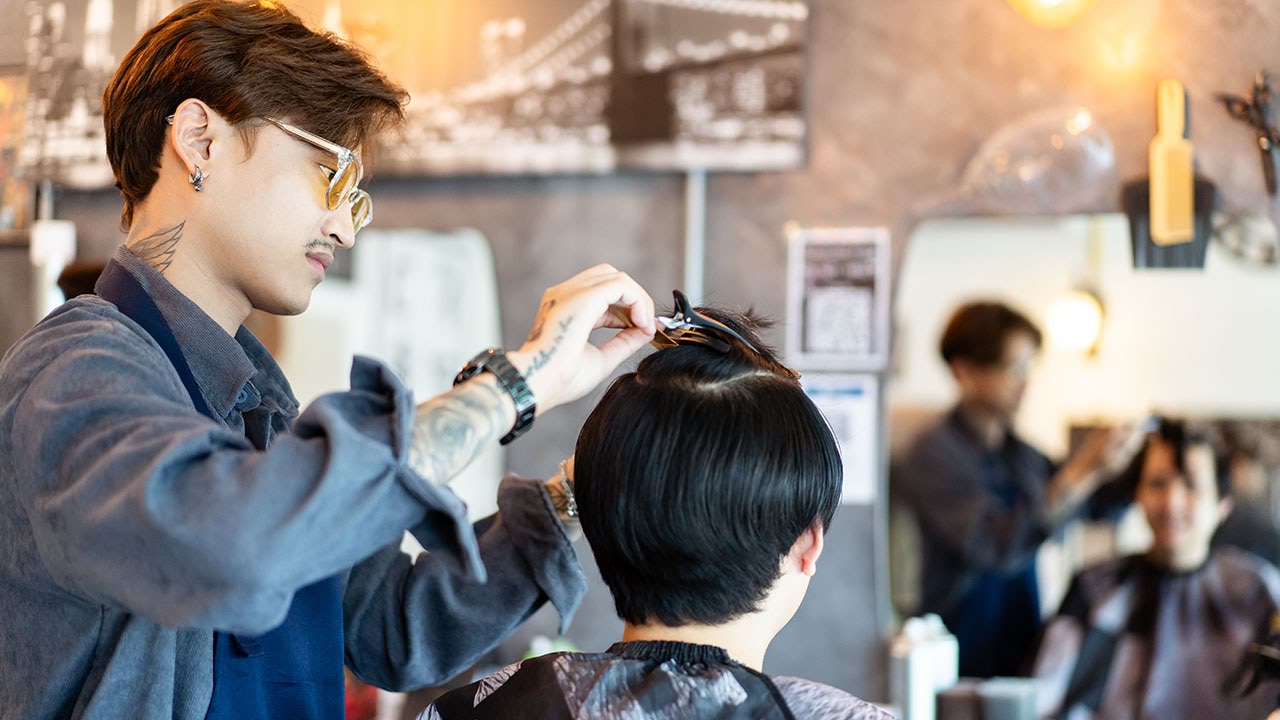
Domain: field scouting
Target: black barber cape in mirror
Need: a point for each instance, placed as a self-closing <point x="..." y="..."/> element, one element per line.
<point x="1134" y="640"/>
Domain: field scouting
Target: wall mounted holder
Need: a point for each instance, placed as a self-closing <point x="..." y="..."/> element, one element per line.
<point x="1136" y="200"/>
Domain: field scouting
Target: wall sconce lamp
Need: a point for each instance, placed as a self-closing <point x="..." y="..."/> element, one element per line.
<point x="1050" y="13"/>
<point x="1075" y="321"/>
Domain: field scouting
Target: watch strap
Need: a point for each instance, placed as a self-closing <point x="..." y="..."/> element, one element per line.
<point x="495" y="360"/>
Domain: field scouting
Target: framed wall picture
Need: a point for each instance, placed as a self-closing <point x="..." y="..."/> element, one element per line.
<point x="502" y="87"/>
<point x="585" y="86"/>
<point x="838" y="299"/>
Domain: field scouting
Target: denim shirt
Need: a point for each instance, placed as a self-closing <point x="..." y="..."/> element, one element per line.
<point x="134" y="527"/>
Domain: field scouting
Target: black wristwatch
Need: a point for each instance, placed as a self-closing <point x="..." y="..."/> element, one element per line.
<point x="495" y="361"/>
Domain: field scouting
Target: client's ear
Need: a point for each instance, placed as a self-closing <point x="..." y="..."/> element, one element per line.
<point x="804" y="553"/>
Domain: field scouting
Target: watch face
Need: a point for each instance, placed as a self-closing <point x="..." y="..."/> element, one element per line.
<point x="476" y="364"/>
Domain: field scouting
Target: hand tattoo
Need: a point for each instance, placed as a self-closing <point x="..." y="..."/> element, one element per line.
<point x="543" y="357"/>
<point x="157" y="248"/>
<point x="450" y="430"/>
<point x="536" y="332"/>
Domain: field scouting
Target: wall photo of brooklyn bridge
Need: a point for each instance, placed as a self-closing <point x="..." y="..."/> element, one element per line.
<point x="498" y="87"/>
<point x="544" y="86"/>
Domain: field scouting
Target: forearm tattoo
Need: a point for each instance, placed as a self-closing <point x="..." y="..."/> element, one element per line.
<point x="157" y="248"/>
<point x="450" y="430"/>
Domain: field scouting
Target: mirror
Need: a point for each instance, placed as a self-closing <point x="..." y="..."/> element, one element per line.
<point x="1196" y="343"/>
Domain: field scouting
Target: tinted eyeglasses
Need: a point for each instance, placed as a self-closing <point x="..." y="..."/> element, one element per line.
<point x="344" y="179"/>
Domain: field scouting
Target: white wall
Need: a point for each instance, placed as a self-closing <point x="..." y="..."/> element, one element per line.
<point x="1178" y="341"/>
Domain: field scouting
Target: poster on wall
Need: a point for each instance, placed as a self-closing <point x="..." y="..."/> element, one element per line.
<point x="851" y="405"/>
<point x="499" y="87"/>
<point x="838" y="299"/>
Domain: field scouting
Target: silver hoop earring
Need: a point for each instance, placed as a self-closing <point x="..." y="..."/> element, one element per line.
<point x="197" y="179"/>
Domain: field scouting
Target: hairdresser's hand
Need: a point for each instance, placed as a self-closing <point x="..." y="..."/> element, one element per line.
<point x="1106" y="451"/>
<point x="557" y="359"/>
<point x="1103" y="453"/>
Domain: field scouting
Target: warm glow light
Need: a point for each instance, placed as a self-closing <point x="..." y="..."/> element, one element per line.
<point x="1050" y="13"/>
<point x="1080" y="121"/>
<point x="1075" y="321"/>
<point x="1122" y="50"/>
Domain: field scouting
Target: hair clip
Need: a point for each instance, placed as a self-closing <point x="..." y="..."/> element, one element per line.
<point x="687" y="326"/>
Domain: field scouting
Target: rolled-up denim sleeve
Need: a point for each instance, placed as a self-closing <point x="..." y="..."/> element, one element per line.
<point x="413" y="622"/>
<point x="138" y="501"/>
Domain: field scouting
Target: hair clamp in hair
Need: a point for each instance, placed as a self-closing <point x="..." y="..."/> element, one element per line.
<point x="687" y="326"/>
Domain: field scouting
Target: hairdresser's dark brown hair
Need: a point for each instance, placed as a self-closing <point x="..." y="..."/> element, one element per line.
<point x="245" y="60"/>
<point x="977" y="332"/>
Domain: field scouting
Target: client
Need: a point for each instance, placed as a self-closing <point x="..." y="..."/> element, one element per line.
<point x="705" y="482"/>
<point x="1162" y="635"/>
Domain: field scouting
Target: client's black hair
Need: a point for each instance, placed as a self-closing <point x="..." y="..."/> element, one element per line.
<point x="697" y="473"/>
<point x="1182" y="436"/>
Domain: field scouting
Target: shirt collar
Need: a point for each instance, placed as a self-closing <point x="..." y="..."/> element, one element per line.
<point x="960" y="422"/>
<point x="231" y="371"/>
<point x="276" y="392"/>
<point x="663" y="650"/>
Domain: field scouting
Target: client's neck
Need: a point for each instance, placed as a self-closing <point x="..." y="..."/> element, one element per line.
<point x="745" y="639"/>
<point x="1183" y="559"/>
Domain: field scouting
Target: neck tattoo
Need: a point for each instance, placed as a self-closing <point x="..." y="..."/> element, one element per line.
<point x="157" y="248"/>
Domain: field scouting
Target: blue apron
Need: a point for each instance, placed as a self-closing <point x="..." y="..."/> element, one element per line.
<point x="295" y="670"/>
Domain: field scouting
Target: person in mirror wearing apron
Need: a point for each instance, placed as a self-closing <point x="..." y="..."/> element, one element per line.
<point x="985" y="499"/>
